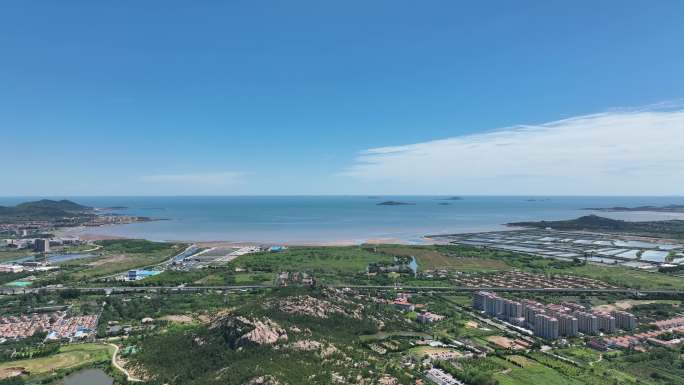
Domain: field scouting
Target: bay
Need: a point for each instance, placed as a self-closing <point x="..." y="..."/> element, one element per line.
<point x="342" y="219"/>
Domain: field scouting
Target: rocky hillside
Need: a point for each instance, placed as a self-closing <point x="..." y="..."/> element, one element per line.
<point x="285" y="337"/>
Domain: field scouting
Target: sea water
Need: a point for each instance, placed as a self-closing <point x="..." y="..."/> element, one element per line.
<point x="343" y="219"/>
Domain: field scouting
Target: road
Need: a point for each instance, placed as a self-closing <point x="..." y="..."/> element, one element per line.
<point x="188" y="251"/>
<point x="131" y="289"/>
<point x="513" y="290"/>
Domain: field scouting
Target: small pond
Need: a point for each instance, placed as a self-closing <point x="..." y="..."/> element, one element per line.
<point x="87" y="377"/>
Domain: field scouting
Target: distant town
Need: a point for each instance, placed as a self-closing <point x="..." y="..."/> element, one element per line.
<point x="44" y="217"/>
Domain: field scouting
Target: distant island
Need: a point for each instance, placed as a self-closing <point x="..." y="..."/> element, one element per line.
<point x="453" y="198"/>
<point x="395" y="203"/>
<point x="659" y="229"/>
<point x="111" y="208"/>
<point x="657" y="209"/>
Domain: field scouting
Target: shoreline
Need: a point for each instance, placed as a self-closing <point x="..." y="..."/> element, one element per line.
<point x="82" y="233"/>
<point x="407" y="229"/>
<point x="215" y="243"/>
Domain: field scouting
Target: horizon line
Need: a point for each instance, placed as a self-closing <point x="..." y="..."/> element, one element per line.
<point x="370" y="195"/>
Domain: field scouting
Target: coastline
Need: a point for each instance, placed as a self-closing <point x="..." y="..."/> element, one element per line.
<point x="339" y="221"/>
<point x="83" y="233"/>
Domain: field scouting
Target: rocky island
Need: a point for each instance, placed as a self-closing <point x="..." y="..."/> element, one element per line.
<point x="395" y="203"/>
<point x="453" y="198"/>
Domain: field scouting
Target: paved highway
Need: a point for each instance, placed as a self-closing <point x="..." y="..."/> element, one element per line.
<point x="129" y="289"/>
<point x="513" y="290"/>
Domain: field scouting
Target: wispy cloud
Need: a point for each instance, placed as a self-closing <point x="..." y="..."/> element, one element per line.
<point x="225" y="178"/>
<point x="622" y="151"/>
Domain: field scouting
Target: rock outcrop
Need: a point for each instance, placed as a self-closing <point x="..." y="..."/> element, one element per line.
<point x="242" y="331"/>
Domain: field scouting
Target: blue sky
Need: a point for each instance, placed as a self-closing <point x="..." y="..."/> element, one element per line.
<point x="266" y="97"/>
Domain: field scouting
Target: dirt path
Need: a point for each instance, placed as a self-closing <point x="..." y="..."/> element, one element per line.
<point x="96" y="248"/>
<point x="597" y="361"/>
<point x="121" y="368"/>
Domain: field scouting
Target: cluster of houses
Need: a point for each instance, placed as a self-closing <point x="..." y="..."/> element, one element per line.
<point x="400" y="264"/>
<point x="57" y="326"/>
<point x="673" y="326"/>
<point x="11" y="268"/>
<point x="440" y="377"/>
<point x="296" y="278"/>
<point x="423" y="316"/>
<point x="521" y="280"/>
<point x="29" y="266"/>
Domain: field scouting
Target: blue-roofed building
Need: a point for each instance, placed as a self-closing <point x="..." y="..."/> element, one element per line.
<point x="136" y="275"/>
<point x="52" y="336"/>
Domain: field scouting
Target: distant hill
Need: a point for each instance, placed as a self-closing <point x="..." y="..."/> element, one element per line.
<point x="64" y="204"/>
<point x="45" y="209"/>
<point x="661" y="209"/>
<point x="662" y="229"/>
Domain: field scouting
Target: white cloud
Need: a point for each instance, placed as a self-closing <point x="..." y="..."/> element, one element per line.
<point x="621" y="152"/>
<point x="225" y="178"/>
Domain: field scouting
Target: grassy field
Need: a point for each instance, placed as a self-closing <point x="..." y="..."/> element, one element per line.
<point x="121" y="255"/>
<point x="531" y="373"/>
<point x="75" y="248"/>
<point x="385" y="335"/>
<point x="70" y="356"/>
<point x="460" y="299"/>
<point x="251" y="279"/>
<point x="318" y="260"/>
<point x="521" y="361"/>
<point x="626" y="277"/>
<point x="539" y="368"/>
<point x="338" y="264"/>
<point x="658" y="366"/>
<point x="580" y="355"/>
<point x="9" y="254"/>
<point x="345" y="264"/>
<point x="433" y="257"/>
<point x="513" y="370"/>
